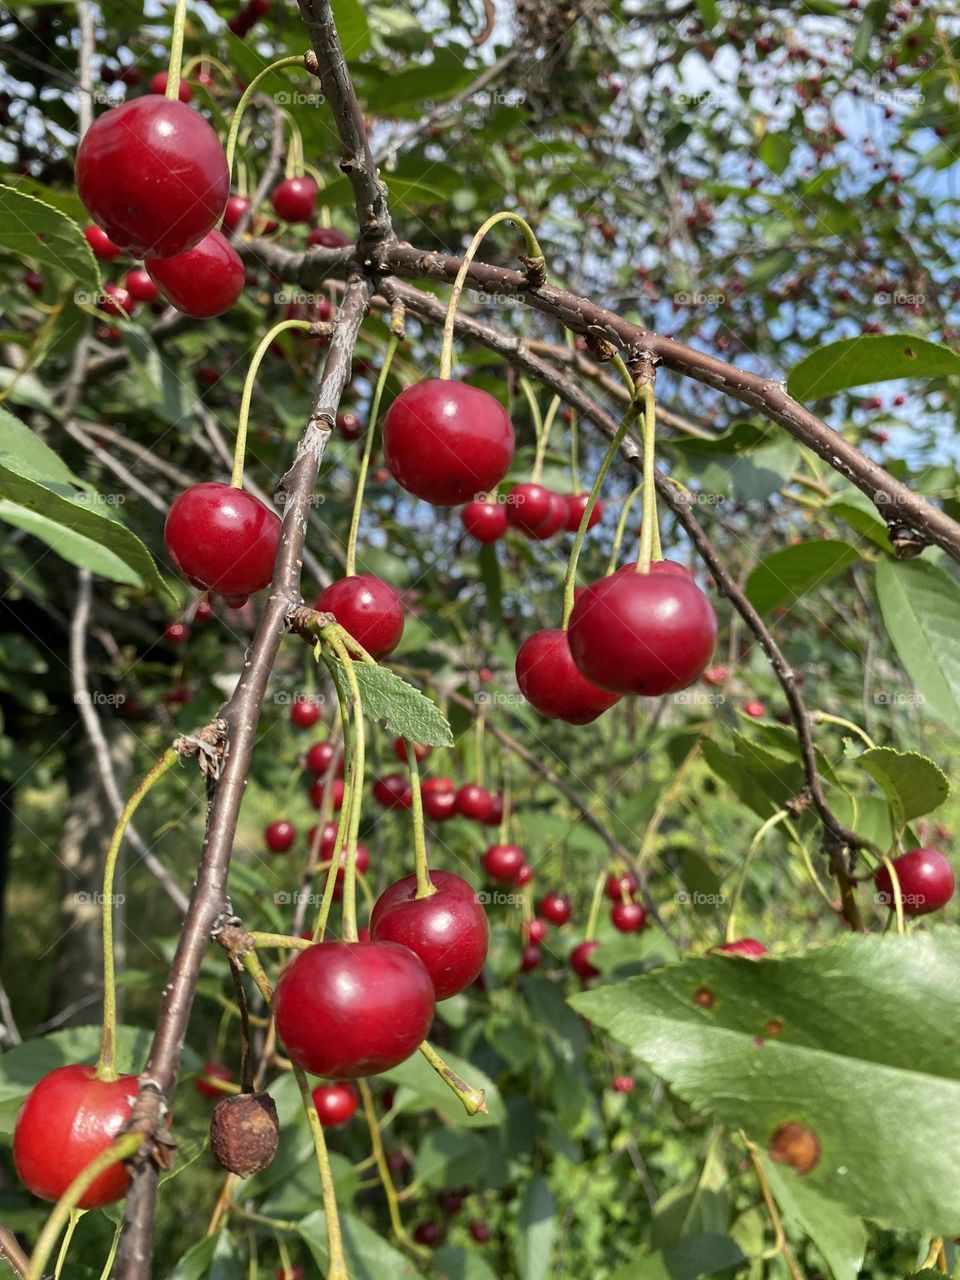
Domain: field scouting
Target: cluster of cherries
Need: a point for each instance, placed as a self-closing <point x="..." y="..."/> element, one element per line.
<point x="532" y="509"/>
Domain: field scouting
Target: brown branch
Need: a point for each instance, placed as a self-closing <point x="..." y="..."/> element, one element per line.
<point x="239" y="717"/>
<point x="11" y="1253"/>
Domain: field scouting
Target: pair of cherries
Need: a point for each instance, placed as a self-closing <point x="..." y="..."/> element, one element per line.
<point x="533" y="509"/>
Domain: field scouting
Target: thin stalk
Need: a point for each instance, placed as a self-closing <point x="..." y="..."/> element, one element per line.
<point x="771" y="822"/>
<point x="622" y="528"/>
<point x="351" y="565"/>
<point x="425" y="886"/>
<point x="595" y="904"/>
<point x="176" y="51"/>
<point x="338" y="1263"/>
<point x="355" y="779"/>
<point x="473" y="1100"/>
<point x="383" y="1168"/>
<point x="240" y="448"/>
<point x="75" y="1216"/>
<point x="649" y="529"/>
<point x="824" y="717"/>
<point x="231" y="149"/>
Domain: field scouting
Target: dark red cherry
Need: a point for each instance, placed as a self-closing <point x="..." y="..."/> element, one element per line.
<point x="368" y="608"/>
<point x="348" y="1009"/>
<point x="749" y="947"/>
<point x="222" y="539"/>
<point x="439" y="797"/>
<point x="555" y="907"/>
<point x="550" y="681"/>
<point x="349" y="426"/>
<point x="628" y="917"/>
<point x="576" y="505"/>
<point x="328" y="238"/>
<point x="236" y="207"/>
<point x="321" y="756"/>
<point x="530" y="957"/>
<point x="294" y="199"/>
<point x="580" y="960"/>
<point x="176" y="632"/>
<point x="659" y="566"/>
<point x="101" y="244"/>
<point x="646" y="633"/>
<point x="448" y="931"/>
<point x="318" y="790"/>
<point x="328" y="838"/>
<point x="474" y="802"/>
<point x="68" y="1119"/>
<point x="304" y="712"/>
<point x="393" y="791"/>
<point x="203" y="612"/>
<point x="213" y="1071"/>
<point x="139" y="285"/>
<point x="926" y="882"/>
<point x="362" y="865"/>
<point x="400" y="750"/>
<point x="486" y="521"/>
<point x="553" y="522"/>
<point x="537" y="930"/>
<point x="479" y="1229"/>
<point x="158" y="84"/>
<point x="620" y="886"/>
<point x="405" y="890"/>
<point x="503" y="862"/>
<point x="153" y="175"/>
<point x="34" y="282"/>
<point x="447" y="442"/>
<point x="427" y="1233"/>
<point x="524" y="875"/>
<point x="335" y="1103"/>
<point x="203" y="282"/>
<point x="528" y="506"/>
<point x="495" y="816"/>
<point x="118" y="301"/>
<point x="279" y="836"/>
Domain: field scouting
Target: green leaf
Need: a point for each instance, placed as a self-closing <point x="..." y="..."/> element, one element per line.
<point x="708" y="12"/>
<point x="859" y="512"/>
<point x="912" y="783"/>
<point x="855" y="362"/>
<point x="23" y="451"/>
<point x="351" y="22"/>
<point x="817" y="1039"/>
<point x="455" y="1263"/>
<point x="706" y="1255"/>
<point x="25" y="219"/>
<point x="408" y="712"/>
<point x="780" y="579"/>
<point x="536" y="1231"/>
<point x="438" y="80"/>
<point x="368" y="1255"/>
<point x="490" y="576"/>
<point x="422" y="1088"/>
<point x="921" y="611"/>
<point x="72" y="547"/>
<point x="775" y="150"/>
<point x="840" y="1236"/>
<point x="215" y="1258"/>
<point x="449" y="1157"/>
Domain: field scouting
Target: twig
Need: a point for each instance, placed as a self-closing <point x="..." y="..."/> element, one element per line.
<point x="113" y="464"/>
<point x="88" y="36"/>
<point x="11" y="1253"/>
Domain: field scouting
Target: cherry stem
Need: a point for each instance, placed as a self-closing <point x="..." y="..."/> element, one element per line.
<point x="534" y="253"/>
<point x="205" y="59"/>
<point x="331" y="634"/>
<point x="649" y="529"/>
<point x="253" y="966"/>
<point x="176" y="51"/>
<point x="240" y="448"/>
<point x="383" y="1168"/>
<point x="479" y="763"/>
<point x="283" y="941"/>
<point x="473" y="1100"/>
<point x="731" y="931"/>
<point x="425" y="886"/>
<point x="338" y="1263"/>
<point x="504" y="831"/>
<point x="542" y="427"/>
<point x="293" y="59"/>
<point x="897" y="894"/>
<point x="824" y="717"/>
<point x="122" y="1149"/>
<point x="571" y="578"/>
<point x="808" y="863"/>
<point x="107" y="1062"/>
<point x="75" y="1216"/>
<point x="595" y="904"/>
<point x="622" y="528"/>
<point x="351" y="565"/>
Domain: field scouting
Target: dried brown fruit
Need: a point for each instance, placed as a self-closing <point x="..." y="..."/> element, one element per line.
<point x="795" y="1145"/>
<point x="244" y="1132"/>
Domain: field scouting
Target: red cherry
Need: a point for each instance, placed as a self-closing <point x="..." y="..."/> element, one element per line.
<point x="474" y="802"/>
<point x="755" y="709"/>
<point x="554" y="520"/>
<point x="550" y="681"/>
<point x="293" y="199"/>
<point x="279" y="836"/>
<point x="176" y="632"/>
<point x="328" y="838"/>
<point x="368" y="608"/>
<point x="405" y="890"/>
<point x="34" y="282"/>
<point x="68" y="1119"/>
<point x="619" y="886"/>
<point x="348" y="1009"/>
<point x="445" y="441"/>
<point x="213" y="1071"/>
<point x="320" y="757"/>
<point x="646" y="633"/>
<point x="528" y="506"/>
<point x="451" y="1199"/>
<point x="622" y="1084"/>
<point x="525" y="875"/>
<point x="139" y="286"/>
<point x="448" y="931"/>
<point x="101" y="244"/>
<point x="495" y="816"/>
<point x="537" y="930"/>
<point x="483" y="520"/>
<point x="328" y="238"/>
<point x="628" y="917"/>
<point x="479" y="1230"/>
<point x="203" y="612"/>
<point x="576" y="505"/>
<point x="222" y="539"/>
<point x="439" y="797"/>
<point x="400" y="750"/>
<point x="393" y="791"/>
<point x="503" y="861"/>
<point x="556" y="907"/>
<point x="362" y="867"/>
<point x="530" y="957"/>
<point x="716" y="675"/>
<point x="580" y="960"/>
<point x="118" y="301"/>
<point x="742" y="947"/>
<point x="153" y="175"/>
<point x="926" y="882"/>
<point x="335" y="1103"/>
<point x="427" y="1233"/>
<point x="131" y="76"/>
<point x="349" y="426"/>
<point x="317" y="792"/>
<point x="304" y="712"/>
<point x="296" y="1272"/>
<point x="659" y="566"/>
<point x="236" y="207"/>
<point x="158" y="84"/>
<point x="203" y="282"/>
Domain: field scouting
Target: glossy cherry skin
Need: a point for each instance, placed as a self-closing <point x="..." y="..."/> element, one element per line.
<point x="349" y="1009"/>
<point x="368" y="608"/>
<point x="101" y="244"/>
<point x="158" y="84"/>
<point x="642" y="633"/>
<point x="503" y="862"/>
<point x="622" y="1084"/>
<point x="176" y="632"/>
<point x="328" y="837"/>
<point x="349" y="426"/>
<point x="754" y="708"/>
<point x="447" y="442"/>
<point x="294" y="199"/>
<point x="328" y="238"/>
<point x="203" y="282"/>
<point x="620" y="886"/>
<point x="474" y="802"/>
<point x="926" y="882"/>
<point x="580" y="960"/>
<point x="335" y="1103"/>
<point x="280" y="836"/>
<point x="320" y="757"/>
<point x="448" y="931"/>
<point x="628" y="917"/>
<point x="118" y="301"/>
<point x="405" y="890"/>
<point x="222" y="539"/>
<point x="537" y="930"/>
<point x="439" y="797"/>
<point x="555" y="907"/>
<point x="234" y="210"/>
<point x="139" y="285"/>
<point x="393" y="791"/>
<point x="215" y="1072"/>
<point x="485" y="521"/>
<point x="749" y="947"/>
<point x="530" y="957"/>
<point x="576" y="505"/>
<point x="420" y="750"/>
<point x="551" y="682"/>
<point x="304" y="712"/>
<point x="153" y="175"/>
<point x="528" y="506"/>
<point x="554" y="520"/>
<point x="317" y="792"/>
<point x="525" y="874"/>
<point x="68" y="1119"/>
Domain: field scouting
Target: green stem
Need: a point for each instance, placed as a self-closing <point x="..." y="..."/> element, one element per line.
<point x="649" y="529"/>
<point x="338" y="1263"/>
<point x="351" y="565"/>
<point x="771" y="822"/>
<point x="534" y="251"/>
<point x="425" y="886"/>
<point x="294" y="59"/>
<point x="574" y="452"/>
<point x="595" y="904"/>
<point x="479" y="762"/>
<point x="176" y="51"/>
<point x="108" y="1265"/>
<point x="824" y="717"/>
<point x="383" y="1168"/>
<point x="107" y="1063"/>
<point x="283" y="941"/>
<point x="240" y="448"/>
<point x="75" y="1216"/>
<point x="252" y="964"/>
<point x="473" y="1100"/>
<point x="622" y="528"/>
<point x="897" y="894"/>
<point x="355" y="781"/>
